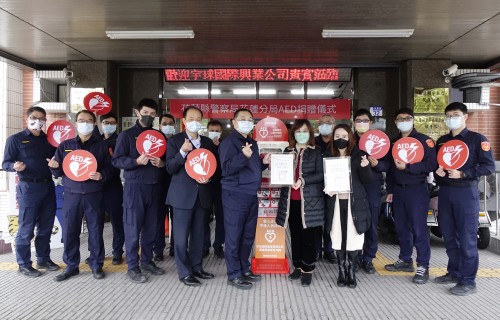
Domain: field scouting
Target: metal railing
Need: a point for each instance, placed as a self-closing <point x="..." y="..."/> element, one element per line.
<point x="496" y="194"/>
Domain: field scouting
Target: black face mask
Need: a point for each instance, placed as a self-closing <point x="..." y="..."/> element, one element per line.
<point x="341" y="143"/>
<point x="147" y="121"/>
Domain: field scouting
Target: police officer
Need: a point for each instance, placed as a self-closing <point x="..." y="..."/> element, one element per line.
<point x="26" y="153"/>
<point x="142" y="194"/>
<point x="113" y="189"/>
<point x="325" y="127"/>
<point x="362" y="122"/>
<point x="407" y="189"/>
<point x="459" y="201"/>
<point x="241" y="178"/>
<point x="83" y="198"/>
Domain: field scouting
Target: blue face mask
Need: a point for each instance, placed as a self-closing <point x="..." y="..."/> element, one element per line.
<point x="168" y="130"/>
<point x="405" y="126"/>
<point x="245" y="126"/>
<point x="109" y="128"/>
<point x="84" y="128"/>
<point x="325" y="129"/>
<point x="301" y="137"/>
<point x="453" y="124"/>
<point x="193" y="126"/>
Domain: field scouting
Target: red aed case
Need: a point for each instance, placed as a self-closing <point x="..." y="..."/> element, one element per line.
<point x="376" y="143"/>
<point x="408" y="150"/>
<point x="60" y="131"/>
<point x="79" y="164"/>
<point x="200" y="163"/>
<point x="97" y="102"/>
<point x="152" y="143"/>
<point x="270" y="129"/>
<point x="453" y="154"/>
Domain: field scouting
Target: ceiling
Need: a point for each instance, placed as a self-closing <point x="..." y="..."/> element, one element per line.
<point x="249" y="33"/>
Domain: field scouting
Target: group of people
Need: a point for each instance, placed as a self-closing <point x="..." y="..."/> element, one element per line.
<point x="342" y="225"/>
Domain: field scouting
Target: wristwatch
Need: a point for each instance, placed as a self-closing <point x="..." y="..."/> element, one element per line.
<point x="463" y="175"/>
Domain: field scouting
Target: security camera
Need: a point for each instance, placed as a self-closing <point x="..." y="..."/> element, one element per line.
<point x="450" y="71"/>
<point x="68" y="73"/>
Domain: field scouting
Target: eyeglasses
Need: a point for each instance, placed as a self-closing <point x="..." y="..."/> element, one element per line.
<point x="362" y="121"/>
<point x="85" y="121"/>
<point x="455" y="116"/>
<point x="406" y="119"/>
<point x="109" y="122"/>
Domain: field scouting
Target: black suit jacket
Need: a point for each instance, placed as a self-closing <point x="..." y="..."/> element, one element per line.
<point x="183" y="189"/>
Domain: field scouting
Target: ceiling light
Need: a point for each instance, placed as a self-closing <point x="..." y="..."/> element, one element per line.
<point x="243" y="91"/>
<point x="387" y="33"/>
<point x="193" y="92"/>
<point x="297" y="91"/>
<point x="267" y="91"/>
<point x="313" y="92"/>
<point x="152" y="34"/>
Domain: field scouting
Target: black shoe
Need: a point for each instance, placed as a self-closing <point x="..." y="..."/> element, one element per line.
<point x="117" y="260"/>
<point x="463" y="289"/>
<point x="341" y="257"/>
<point x="421" y="276"/>
<point x="136" y="275"/>
<point x="367" y="267"/>
<point x="29" y="272"/>
<point x="157" y="257"/>
<point x="295" y="275"/>
<point x="400" y="265"/>
<point x="352" y="262"/>
<point x="206" y="252"/>
<point x="98" y="273"/>
<point x="446" y="279"/>
<point x="252" y="277"/>
<point x="219" y="252"/>
<point x="202" y="274"/>
<point x="306" y="278"/>
<point x="153" y="269"/>
<point x="49" y="266"/>
<point x="87" y="261"/>
<point x="330" y="257"/>
<point x="66" y="274"/>
<point x="190" y="281"/>
<point x="240" y="283"/>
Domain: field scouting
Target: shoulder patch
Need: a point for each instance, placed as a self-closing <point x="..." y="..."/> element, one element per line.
<point x="485" y="145"/>
<point x="430" y="143"/>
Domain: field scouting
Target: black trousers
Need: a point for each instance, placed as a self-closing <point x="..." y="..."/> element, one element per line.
<point x="344" y="207"/>
<point x="302" y="239"/>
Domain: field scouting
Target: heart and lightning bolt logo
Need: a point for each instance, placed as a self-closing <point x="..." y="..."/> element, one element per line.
<point x="407" y="151"/>
<point x="374" y="144"/>
<point x="152" y="144"/>
<point x="200" y="164"/>
<point x="61" y="133"/>
<point x="452" y="154"/>
<point x="98" y="103"/>
<point x="79" y="165"/>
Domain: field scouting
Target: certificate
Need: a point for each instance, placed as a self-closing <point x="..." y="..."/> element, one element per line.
<point x="337" y="174"/>
<point x="282" y="169"/>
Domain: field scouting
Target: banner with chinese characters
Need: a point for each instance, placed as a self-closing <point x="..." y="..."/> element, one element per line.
<point x="281" y="109"/>
<point x="259" y="74"/>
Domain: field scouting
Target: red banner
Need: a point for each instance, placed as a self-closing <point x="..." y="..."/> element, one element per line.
<point x="281" y="109"/>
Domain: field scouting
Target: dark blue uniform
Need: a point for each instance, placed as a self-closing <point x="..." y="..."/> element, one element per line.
<point x="411" y="202"/>
<point x="241" y="178"/>
<point x="113" y="202"/>
<point x="142" y="197"/>
<point x="83" y="198"/>
<point x="373" y="193"/>
<point x="35" y="193"/>
<point x="458" y="206"/>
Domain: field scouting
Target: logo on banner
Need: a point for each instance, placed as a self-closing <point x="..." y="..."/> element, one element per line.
<point x="79" y="164"/>
<point x="408" y="150"/>
<point x="200" y="163"/>
<point x="270" y="236"/>
<point x="453" y="154"/>
<point x="97" y="102"/>
<point x="60" y="131"/>
<point x="270" y="129"/>
<point x="152" y="143"/>
<point x="375" y="143"/>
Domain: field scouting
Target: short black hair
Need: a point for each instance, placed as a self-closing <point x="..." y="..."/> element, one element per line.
<point x="146" y="102"/>
<point x="167" y="115"/>
<point x="87" y="112"/>
<point x="34" y="109"/>
<point x="214" y="123"/>
<point x="362" y="112"/>
<point x="107" y="116"/>
<point x="241" y="110"/>
<point x="184" y="113"/>
<point x="404" y="110"/>
<point x="456" y="106"/>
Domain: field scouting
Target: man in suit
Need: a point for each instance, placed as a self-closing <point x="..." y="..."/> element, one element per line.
<point x="191" y="199"/>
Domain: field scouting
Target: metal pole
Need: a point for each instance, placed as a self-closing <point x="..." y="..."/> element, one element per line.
<point x="496" y="200"/>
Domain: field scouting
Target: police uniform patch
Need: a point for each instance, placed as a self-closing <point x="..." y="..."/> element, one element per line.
<point x="485" y="145"/>
<point x="25" y="141"/>
<point x="430" y="143"/>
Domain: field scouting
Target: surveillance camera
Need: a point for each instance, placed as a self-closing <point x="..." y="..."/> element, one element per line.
<point x="450" y="71"/>
<point x="68" y="73"/>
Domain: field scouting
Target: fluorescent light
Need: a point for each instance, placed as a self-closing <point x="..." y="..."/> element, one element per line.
<point x="193" y="92"/>
<point x="243" y="91"/>
<point x="313" y="92"/>
<point x="216" y="91"/>
<point x="267" y="91"/>
<point x="386" y="33"/>
<point x="297" y="91"/>
<point x="152" y="34"/>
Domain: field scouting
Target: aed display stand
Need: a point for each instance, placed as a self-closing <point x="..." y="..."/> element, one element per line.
<point x="270" y="247"/>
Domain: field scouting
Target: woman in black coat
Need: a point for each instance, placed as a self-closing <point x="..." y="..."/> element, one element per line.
<point x="351" y="211"/>
<point x="302" y="205"/>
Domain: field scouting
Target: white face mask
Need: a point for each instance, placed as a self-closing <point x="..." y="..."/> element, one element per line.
<point x="453" y="123"/>
<point x="325" y="129"/>
<point x="36" y="125"/>
<point x="84" y="128"/>
<point x="405" y="126"/>
<point x="213" y="135"/>
<point x="245" y="126"/>
<point x="193" y="126"/>
<point x="109" y="128"/>
<point x="168" y="129"/>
